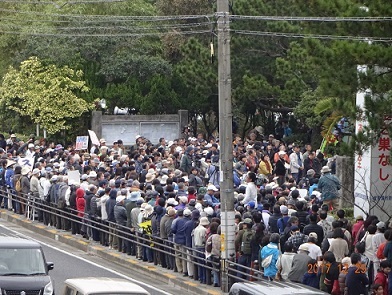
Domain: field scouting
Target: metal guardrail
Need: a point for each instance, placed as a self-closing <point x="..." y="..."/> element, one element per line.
<point x="67" y="219"/>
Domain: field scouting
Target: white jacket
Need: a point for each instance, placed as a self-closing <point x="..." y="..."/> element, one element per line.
<point x="294" y="167"/>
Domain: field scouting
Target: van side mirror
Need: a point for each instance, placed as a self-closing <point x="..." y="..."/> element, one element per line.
<point x="50" y="265"/>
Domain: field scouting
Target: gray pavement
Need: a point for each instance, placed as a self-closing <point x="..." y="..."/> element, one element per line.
<point x="146" y="269"/>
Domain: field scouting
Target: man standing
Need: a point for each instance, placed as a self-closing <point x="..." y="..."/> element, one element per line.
<point x="329" y="185"/>
<point x="251" y="189"/>
<point x="186" y="160"/>
<point x="199" y="242"/>
<point x="300" y="264"/>
<point x="178" y="229"/>
<point x="356" y="278"/>
<point x="296" y="163"/>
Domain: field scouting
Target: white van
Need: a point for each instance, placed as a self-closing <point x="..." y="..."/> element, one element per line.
<point x="102" y="286"/>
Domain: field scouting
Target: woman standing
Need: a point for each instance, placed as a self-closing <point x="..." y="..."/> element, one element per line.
<point x="213" y="252"/>
<point x="338" y="245"/>
<point x="269" y="257"/>
<point x="265" y="167"/>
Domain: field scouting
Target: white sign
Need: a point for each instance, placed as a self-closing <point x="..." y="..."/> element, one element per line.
<point x="81" y="143"/>
<point x="29" y="162"/>
<point x="73" y="177"/>
<point x="373" y="172"/>
<point x="94" y="138"/>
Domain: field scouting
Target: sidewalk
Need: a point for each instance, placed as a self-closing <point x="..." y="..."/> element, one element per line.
<point x="94" y="248"/>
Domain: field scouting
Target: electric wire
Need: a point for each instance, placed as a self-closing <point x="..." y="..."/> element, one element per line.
<point x="312" y="36"/>
<point x="103" y="35"/>
<point x="312" y="19"/>
<point x="62" y="3"/>
<point x="105" y="17"/>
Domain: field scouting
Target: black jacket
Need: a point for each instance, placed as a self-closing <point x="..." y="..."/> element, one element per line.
<point x="273" y="223"/>
<point x="314" y="227"/>
<point x="110" y="203"/>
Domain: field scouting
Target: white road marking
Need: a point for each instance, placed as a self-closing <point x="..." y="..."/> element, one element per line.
<point x="85" y="260"/>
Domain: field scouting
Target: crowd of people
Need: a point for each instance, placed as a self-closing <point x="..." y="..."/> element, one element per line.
<point x="161" y="203"/>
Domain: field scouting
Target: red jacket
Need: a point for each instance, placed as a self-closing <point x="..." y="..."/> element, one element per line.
<point x="382" y="279"/>
<point x="356" y="229"/>
<point x="80" y="201"/>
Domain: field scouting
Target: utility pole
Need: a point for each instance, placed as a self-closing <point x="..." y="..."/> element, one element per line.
<point x="226" y="142"/>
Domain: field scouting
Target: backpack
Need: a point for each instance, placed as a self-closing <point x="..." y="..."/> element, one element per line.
<point x="380" y="251"/>
<point x="245" y="242"/>
<point x="18" y="184"/>
<point x="61" y="191"/>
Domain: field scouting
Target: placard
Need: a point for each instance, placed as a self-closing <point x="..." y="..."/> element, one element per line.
<point x="73" y="177"/>
<point x="29" y="162"/>
<point x="94" y="138"/>
<point x="81" y="143"/>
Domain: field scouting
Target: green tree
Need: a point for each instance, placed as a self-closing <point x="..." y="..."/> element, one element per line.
<point x="48" y="95"/>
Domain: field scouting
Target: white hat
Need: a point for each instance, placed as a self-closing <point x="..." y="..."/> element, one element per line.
<point x="208" y="145"/>
<point x="36" y="171"/>
<point x="281" y="153"/>
<point x="148" y="209"/>
<point x="313" y="235"/>
<point x="212" y="187"/>
<point x="92" y="174"/>
<point x="304" y="247"/>
<point x="325" y="169"/>
<point x="170" y="143"/>
<point x="164" y="179"/>
<point x="102" y="140"/>
<point x="120" y="198"/>
<point x="204" y="221"/>
<point x="25" y="170"/>
<point x="172" y="201"/>
<point x="150" y="177"/>
<point x="137" y="136"/>
<point x="209" y="211"/>
<point x="187" y="212"/>
<point x="183" y="199"/>
<point x="31" y="145"/>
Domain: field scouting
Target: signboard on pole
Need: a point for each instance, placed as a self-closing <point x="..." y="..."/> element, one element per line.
<point x="81" y="143"/>
<point x="29" y="162"/>
<point x="94" y="138"/>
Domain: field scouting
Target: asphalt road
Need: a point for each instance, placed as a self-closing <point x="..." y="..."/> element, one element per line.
<point x="73" y="263"/>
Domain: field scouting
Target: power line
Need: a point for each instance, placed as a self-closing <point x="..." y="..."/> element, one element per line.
<point x="103" y="35"/>
<point x="89" y="17"/>
<point x="313" y="36"/>
<point x="60" y="4"/>
<point x="312" y="19"/>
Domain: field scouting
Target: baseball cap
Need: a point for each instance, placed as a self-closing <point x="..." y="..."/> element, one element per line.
<point x="313" y="235"/>
<point x="284" y="209"/>
<point x="212" y="187"/>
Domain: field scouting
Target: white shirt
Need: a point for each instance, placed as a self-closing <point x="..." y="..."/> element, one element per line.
<point x="250" y="193"/>
<point x="284" y="264"/>
<point x="104" y="214"/>
<point x="199" y="236"/>
<point x="314" y="251"/>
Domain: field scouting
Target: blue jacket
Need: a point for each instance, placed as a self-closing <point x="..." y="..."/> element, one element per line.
<point x="189" y="226"/>
<point x="9" y="173"/>
<point x="270" y="249"/>
<point x="329" y="185"/>
<point x="211" y="200"/>
<point x="178" y="229"/>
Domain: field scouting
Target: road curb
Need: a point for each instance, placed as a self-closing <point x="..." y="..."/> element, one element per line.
<point x="147" y="269"/>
